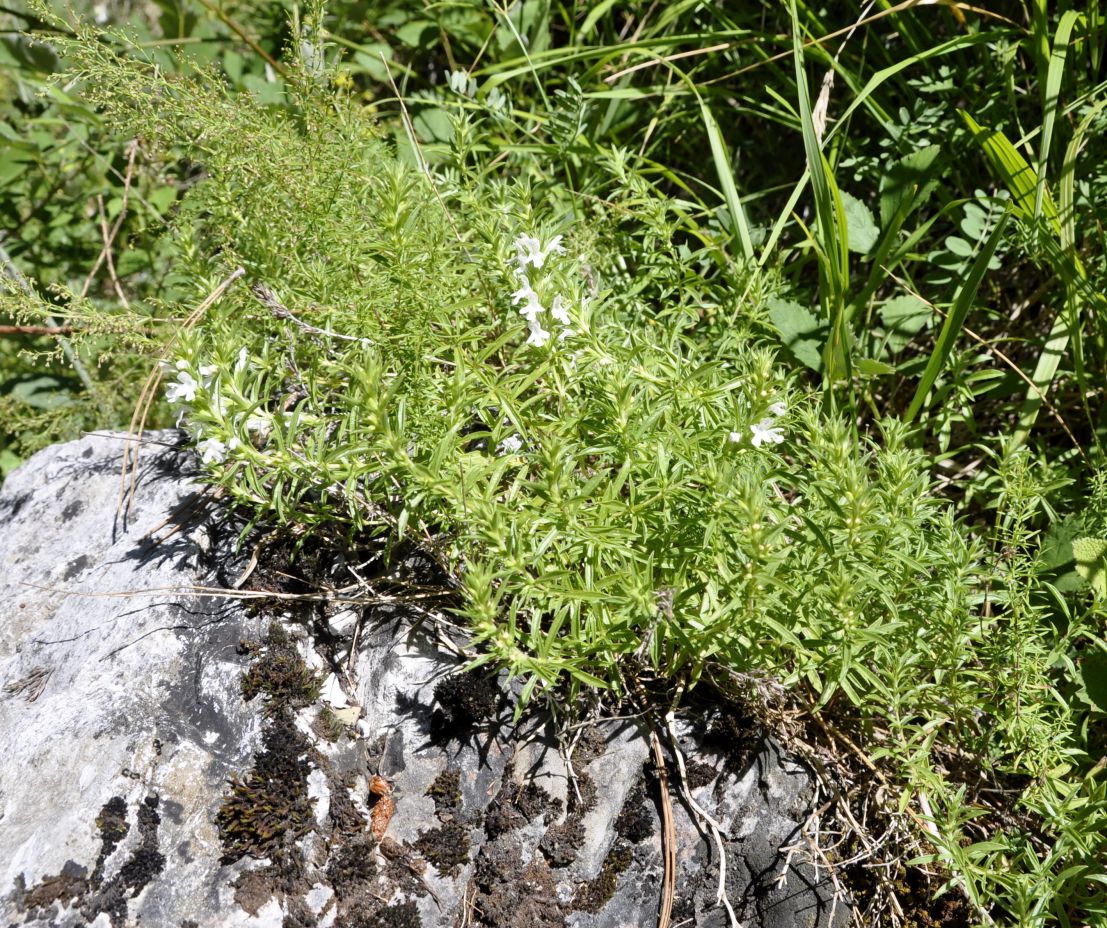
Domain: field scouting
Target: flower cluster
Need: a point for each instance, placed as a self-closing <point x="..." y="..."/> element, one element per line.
<point x="766" y="431"/>
<point x="510" y="445"/>
<point x="530" y="253"/>
<point x="209" y="401"/>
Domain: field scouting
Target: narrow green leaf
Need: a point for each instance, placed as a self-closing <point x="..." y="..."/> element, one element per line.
<point x="1052" y="99"/>
<point x="1014" y="171"/>
<point x="721" y="159"/>
<point x="832" y="233"/>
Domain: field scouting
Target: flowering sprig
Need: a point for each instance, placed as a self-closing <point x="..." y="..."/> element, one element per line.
<point x="765" y="432"/>
<point x="214" y="405"/>
<point x="529" y="252"/>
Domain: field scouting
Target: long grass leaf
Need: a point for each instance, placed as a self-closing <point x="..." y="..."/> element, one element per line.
<point x="1020" y="179"/>
<point x="726" y="179"/>
<point x="1051" y="99"/>
<point x="831" y="238"/>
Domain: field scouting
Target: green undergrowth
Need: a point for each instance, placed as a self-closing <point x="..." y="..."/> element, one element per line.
<point x="641" y="435"/>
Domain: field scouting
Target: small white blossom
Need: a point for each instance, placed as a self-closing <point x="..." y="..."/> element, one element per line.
<point x="735" y="437"/>
<point x="778" y="409"/>
<point x="763" y="432"/>
<point x="184" y="390"/>
<point x="212" y="451"/>
<point x="510" y="445"/>
<point x="207" y="372"/>
<point x="526" y="295"/>
<point x="259" y="423"/>
<point x="560" y="311"/>
<point x="530" y="251"/>
<point x="243" y="356"/>
<point x="538" y="335"/>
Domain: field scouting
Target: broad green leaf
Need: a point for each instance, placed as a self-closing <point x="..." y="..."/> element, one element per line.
<point x="433" y="125"/>
<point x="1056" y="549"/>
<point x="1093" y="673"/>
<point x="903" y="317"/>
<point x="801" y="331"/>
<point x="417" y="33"/>
<point x="863" y="233"/>
<point x="909" y="179"/>
<point x="1091" y="563"/>
<point x="42" y="392"/>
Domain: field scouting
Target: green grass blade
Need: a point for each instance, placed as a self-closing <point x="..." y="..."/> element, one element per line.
<point x="962" y="302"/>
<point x="1013" y="169"/>
<point x="1025" y="187"/>
<point x="831" y="236"/>
<point x="726" y="179"/>
<point x="1051" y="99"/>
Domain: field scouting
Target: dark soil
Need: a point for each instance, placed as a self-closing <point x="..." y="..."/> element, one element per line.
<point x="466" y="699"/>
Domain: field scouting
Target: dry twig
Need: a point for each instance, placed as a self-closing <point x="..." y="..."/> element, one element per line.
<point x="129" y="467"/>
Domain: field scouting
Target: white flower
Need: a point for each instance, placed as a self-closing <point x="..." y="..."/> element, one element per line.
<point x="530" y="251"/>
<point x="259" y="423"/>
<point x="510" y="445"/>
<point x="778" y="409"/>
<point x="525" y="294"/>
<point x="243" y="356"/>
<point x="184" y="390"/>
<point x="233" y="442"/>
<point x="560" y="311"/>
<point x="212" y="451"/>
<point x="207" y="372"/>
<point x="763" y="432"/>
<point x="735" y="437"/>
<point x="565" y="333"/>
<point x="538" y="335"/>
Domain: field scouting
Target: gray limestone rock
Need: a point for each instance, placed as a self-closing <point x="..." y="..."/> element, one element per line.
<point x="176" y="758"/>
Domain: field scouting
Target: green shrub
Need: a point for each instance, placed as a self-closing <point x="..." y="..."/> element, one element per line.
<point x="554" y="376"/>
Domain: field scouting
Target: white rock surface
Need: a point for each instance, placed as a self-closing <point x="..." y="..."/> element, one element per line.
<point x="123" y="727"/>
<point x="141" y="681"/>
